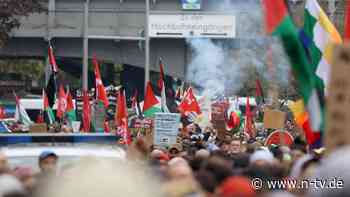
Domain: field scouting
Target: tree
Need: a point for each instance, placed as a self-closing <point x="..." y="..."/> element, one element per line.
<point x="10" y="13"/>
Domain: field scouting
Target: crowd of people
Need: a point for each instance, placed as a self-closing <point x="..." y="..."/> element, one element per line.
<point x="200" y="164"/>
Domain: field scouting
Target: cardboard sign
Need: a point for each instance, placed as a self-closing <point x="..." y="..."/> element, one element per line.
<point x="38" y="128"/>
<point x="166" y="129"/>
<point x="274" y="119"/>
<point x="338" y="100"/>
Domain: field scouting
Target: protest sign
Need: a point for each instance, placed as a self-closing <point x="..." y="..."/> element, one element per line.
<point x="274" y="119"/>
<point x="338" y="100"/>
<point x="166" y="128"/>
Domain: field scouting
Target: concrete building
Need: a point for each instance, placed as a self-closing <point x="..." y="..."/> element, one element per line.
<point x="115" y="30"/>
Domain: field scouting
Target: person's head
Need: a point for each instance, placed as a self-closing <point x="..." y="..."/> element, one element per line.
<point x="3" y="163"/>
<point x="48" y="161"/>
<point x="225" y="146"/>
<point x="179" y="169"/>
<point x="236" y="186"/>
<point x="175" y="150"/>
<point x="26" y="176"/>
<point x="235" y="146"/>
<point x="262" y="157"/>
<point x="190" y="128"/>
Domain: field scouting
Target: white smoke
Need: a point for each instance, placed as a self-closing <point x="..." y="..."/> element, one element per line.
<point x="220" y="65"/>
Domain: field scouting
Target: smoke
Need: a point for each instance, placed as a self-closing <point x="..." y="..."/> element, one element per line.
<point x="227" y="65"/>
<point x="205" y="70"/>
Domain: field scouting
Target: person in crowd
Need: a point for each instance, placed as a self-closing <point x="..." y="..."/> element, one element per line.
<point x="235" y="146"/>
<point x="10" y="186"/>
<point x="26" y="176"/>
<point x="4" y="168"/>
<point x="48" y="162"/>
<point x="236" y="186"/>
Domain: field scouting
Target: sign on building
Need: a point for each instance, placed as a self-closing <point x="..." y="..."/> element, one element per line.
<point x="191" y="4"/>
<point x="166" y="128"/>
<point x="192" y="25"/>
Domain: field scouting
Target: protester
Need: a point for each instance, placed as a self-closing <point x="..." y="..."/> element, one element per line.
<point x="10" y="186"/>
<point x="26" y="176"/>
<point x="48" y="162"/>
<point x="3" y="163"/>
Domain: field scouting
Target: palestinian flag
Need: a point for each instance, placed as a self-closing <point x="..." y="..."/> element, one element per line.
<point x="151" y="104"/>
<point x="161" y="86"/>
<point x="279" y="23"/>
<point x="51" y="70"/>
<point x="101" y="94"/>
<point x="70" y="112"/>
<point x="49" y="116"/>
<point x="135" y="105"/>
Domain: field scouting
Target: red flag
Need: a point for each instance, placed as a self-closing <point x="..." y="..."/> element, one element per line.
<point x="161" y="77"/>
<point x="189" y="104"/>
<point x="347" y="22"/>
<point x="134" y="100"/>
<point x="52" y="59"/>
<point x="100" y="89"/>
<point x="40" y="117"/>
<point x="2" y="113"/>
<point x="86" y="111"/>
<point x="70" y="105"/>
<point x="259" y="92"/>
<point x="122" y="117"/>
<point x="248" y="120"/>
<point x="61" y="107"/>
<point x="46" y="100"/>
<point x="106" y="127"/>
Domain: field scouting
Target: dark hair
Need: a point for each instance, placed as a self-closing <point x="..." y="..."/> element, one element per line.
<point x="206" y="180"/>
<point x="219" y="167"/>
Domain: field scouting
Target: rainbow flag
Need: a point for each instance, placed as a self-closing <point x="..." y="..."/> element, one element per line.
<point x="319" y="37"/>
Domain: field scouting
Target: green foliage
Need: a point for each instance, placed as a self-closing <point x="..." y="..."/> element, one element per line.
<point x="26" y="68"/>
<point x="10" y="13"/>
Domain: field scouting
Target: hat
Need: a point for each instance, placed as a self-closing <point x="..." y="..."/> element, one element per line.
<point x="46" y="154"/>
<point x="237" y="186"/>
<point x="264" y="155"/>
<point x="176" y="146"/>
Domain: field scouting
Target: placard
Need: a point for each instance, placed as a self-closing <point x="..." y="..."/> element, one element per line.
<point x="166" y="128"/>
<point x="338" y="100"/>
<point x="38" y="128"/>
<point x="99" y="117"/>
<point x="274" y="119"/>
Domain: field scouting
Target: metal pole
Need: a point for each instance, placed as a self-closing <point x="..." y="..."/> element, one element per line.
<point x="86" y="46"/>
<point x="331" y="9"/>
<point x="147" y="45"/>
